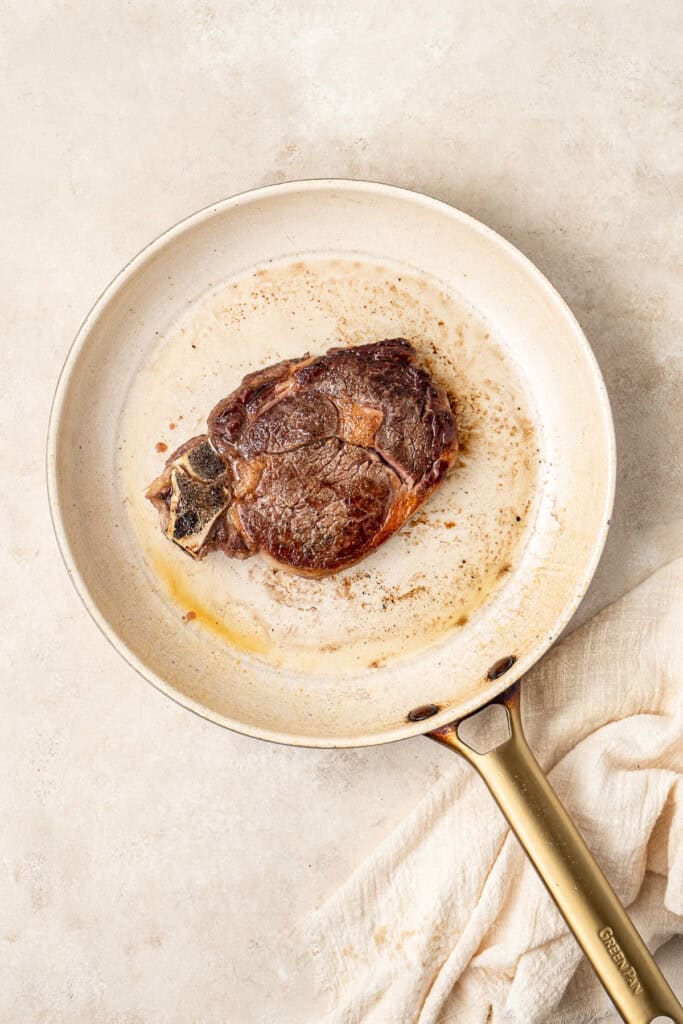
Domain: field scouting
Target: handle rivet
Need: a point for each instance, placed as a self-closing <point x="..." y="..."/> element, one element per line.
<point x="501" y="667"/>
<point x="424" y="711"/>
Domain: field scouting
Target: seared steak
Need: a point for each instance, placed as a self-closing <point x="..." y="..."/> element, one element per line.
<point x="311" y="462"/>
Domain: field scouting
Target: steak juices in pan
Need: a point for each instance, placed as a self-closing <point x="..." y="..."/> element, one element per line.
<point x="315" y="462"/>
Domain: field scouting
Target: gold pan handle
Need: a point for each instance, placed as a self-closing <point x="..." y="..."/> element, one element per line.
<point x="622" y="961"/>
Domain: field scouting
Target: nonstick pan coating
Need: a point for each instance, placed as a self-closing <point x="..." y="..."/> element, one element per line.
<point x="488" y="573"/>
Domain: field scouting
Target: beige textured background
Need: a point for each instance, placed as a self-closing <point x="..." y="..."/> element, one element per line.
<point x="152" y="864"/>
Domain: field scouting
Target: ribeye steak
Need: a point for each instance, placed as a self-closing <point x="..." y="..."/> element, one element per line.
<point x="313" y="462"/>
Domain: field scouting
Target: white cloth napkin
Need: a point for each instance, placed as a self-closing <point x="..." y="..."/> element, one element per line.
<point x="448" y="922"/>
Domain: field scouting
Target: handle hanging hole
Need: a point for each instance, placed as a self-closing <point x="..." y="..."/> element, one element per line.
<point x="485" y="730"/>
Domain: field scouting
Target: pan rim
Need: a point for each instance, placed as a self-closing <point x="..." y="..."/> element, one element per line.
<point x="118" y="282"/>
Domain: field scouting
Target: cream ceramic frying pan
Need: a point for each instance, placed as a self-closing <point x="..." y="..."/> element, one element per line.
<point x="450" y="612"/>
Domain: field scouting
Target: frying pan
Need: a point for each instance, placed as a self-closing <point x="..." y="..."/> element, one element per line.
<point x="448" y="615"/>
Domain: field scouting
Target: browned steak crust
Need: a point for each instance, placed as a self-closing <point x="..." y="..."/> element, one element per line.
<point x="312" y="462"/>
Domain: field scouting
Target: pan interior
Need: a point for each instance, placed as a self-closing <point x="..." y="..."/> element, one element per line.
<point x="430" y="579"/>
<point x="486" y="569"/>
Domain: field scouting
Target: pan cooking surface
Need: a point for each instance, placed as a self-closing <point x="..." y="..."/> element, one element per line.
<point x="428" y="580"/>
<point x="487" y="572"/>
